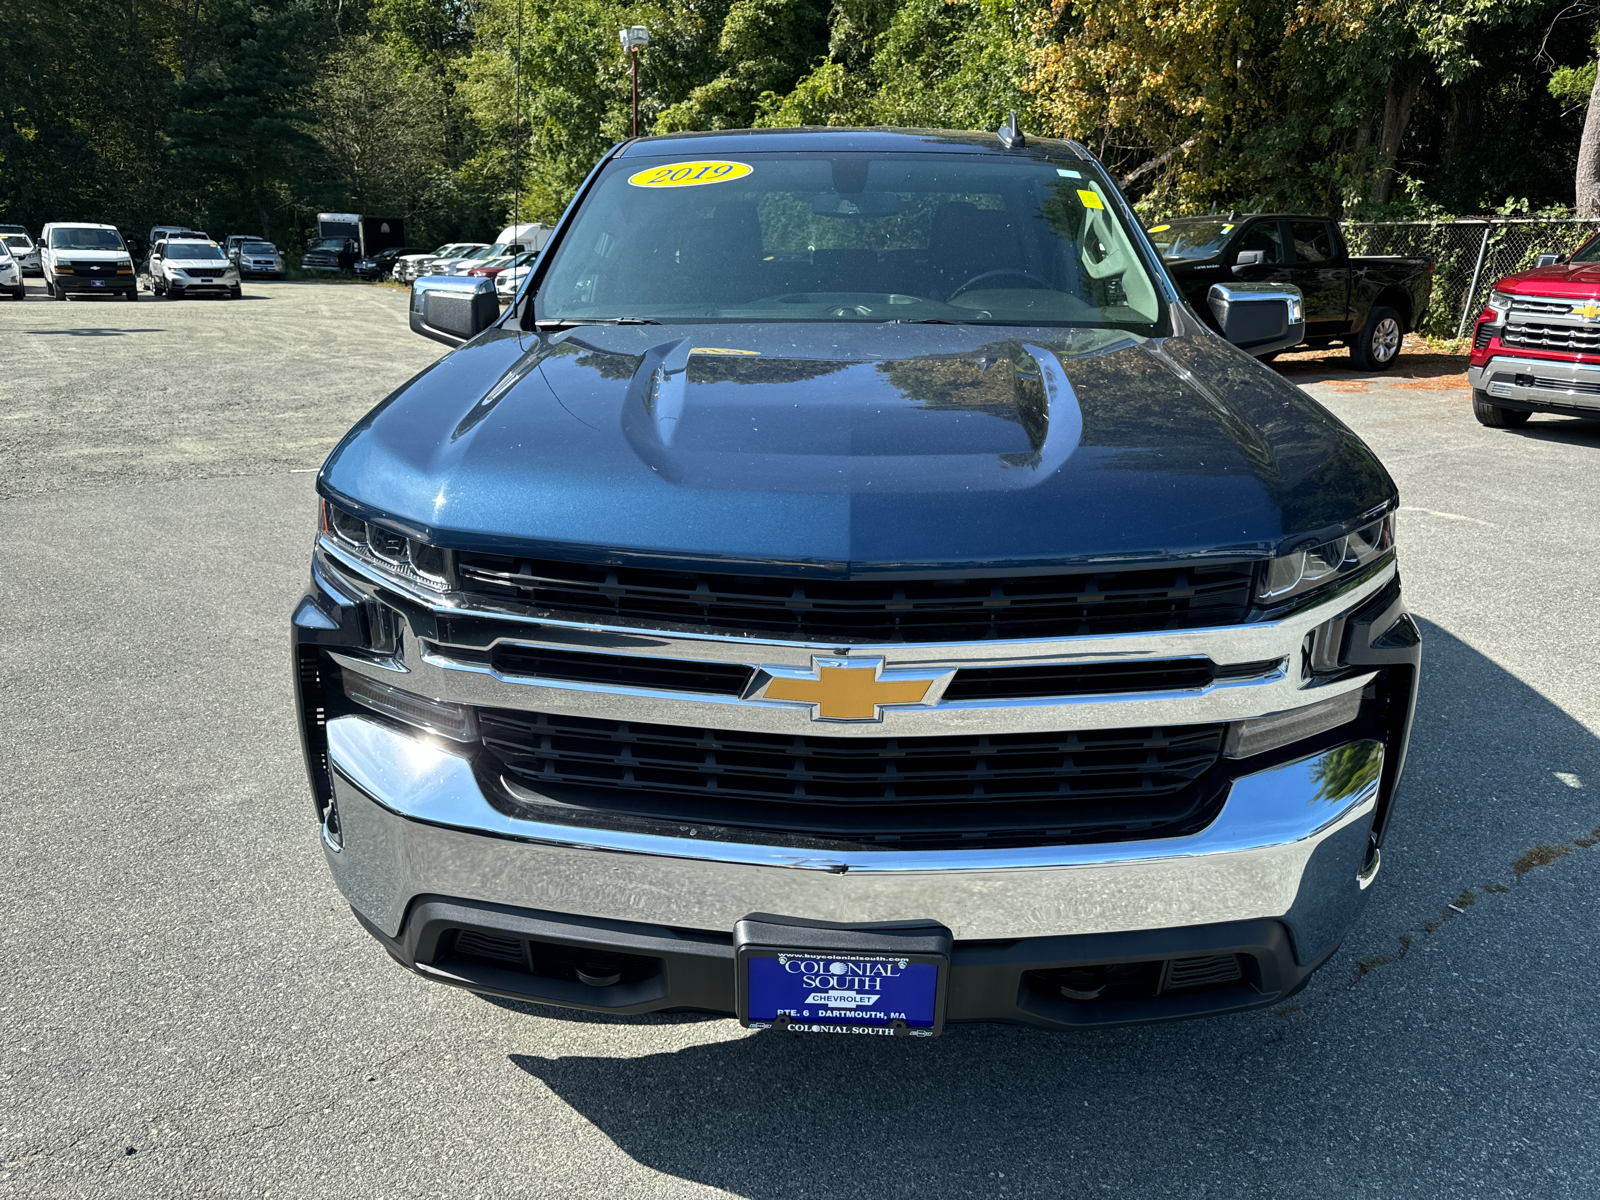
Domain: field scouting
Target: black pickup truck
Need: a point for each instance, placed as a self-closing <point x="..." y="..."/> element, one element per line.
<point x="1366" y="303"/>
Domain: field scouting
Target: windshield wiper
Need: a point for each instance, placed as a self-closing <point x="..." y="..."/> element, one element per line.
<point x="929" y="321"/>
<point x="550" y="326"/>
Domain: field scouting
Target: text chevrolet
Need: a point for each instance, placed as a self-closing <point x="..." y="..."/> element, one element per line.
<point x="850" y="590"/>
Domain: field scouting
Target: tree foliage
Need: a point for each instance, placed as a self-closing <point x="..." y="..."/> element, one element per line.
<point x="250" y="115"/>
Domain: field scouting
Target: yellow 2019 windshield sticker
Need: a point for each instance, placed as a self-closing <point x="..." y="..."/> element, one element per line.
<point x="1089" y="199"/>
<point x="690" y="174"/>
<point x="1159" y="228"/>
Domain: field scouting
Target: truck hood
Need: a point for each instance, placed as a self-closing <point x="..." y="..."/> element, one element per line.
<point x="855" y="448"/>
<point x="1579" y="281"/>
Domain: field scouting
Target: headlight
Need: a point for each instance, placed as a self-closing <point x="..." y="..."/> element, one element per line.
<point x="385" y="549"/>
<point x="1307" y="570"/>
<point x="1500" y="305"/>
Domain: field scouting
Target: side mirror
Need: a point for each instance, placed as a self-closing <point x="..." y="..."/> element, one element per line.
<point x="1547" y="260"/>
<point x="453" y="308"/>
<point x="1249" y="258"/>
<point x="1261" y="318"/>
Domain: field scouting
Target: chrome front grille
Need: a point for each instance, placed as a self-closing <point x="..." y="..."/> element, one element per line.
<point x="1551" y="335"/>
<point x="921" y="610"/>
<point x="1524" y="306"/>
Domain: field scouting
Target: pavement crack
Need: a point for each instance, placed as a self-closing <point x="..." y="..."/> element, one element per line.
<point x="1534" y="858"/>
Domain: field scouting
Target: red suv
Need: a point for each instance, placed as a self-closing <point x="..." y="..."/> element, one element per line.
<point x="1536" y="346"/>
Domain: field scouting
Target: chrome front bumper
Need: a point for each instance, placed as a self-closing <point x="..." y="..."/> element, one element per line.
<point x="1289" y="843"/>
<point x="1538" y="381"/>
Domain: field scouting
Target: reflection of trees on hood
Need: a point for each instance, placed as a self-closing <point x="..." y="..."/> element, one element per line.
<point x="731" y="368"/>
<point x="971" y="383"/>
<point x="1345" y="771"/>
<point x="706" y="368"/>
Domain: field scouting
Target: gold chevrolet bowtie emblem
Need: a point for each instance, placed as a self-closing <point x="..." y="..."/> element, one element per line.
<point x="849" y="689"/>
<point x="1588" y="310"/>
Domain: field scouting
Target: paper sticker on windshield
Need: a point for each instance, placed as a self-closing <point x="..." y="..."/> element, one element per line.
<point x="1159" y="228"/>
<point x="690" y="174"/>
<point x="1090" y="200"/>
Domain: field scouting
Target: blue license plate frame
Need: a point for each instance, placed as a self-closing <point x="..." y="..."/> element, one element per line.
<point x="884" y="989"/>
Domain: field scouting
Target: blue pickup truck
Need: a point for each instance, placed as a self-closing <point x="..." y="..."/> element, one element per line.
<point x="850" y="590"/>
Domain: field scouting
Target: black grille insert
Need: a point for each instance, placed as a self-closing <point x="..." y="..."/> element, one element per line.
<point x="628" y="670"/>
<point x="1125" y="783"/>
<point x="1094" y="679"/>
<point x="868" y="609"/>
<point x="1207" y="971"/>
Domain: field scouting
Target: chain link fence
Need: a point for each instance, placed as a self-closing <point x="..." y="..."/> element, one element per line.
<point x="1470" y="256"/>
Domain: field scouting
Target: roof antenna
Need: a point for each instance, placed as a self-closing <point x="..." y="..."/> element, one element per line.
<point x="1010" y="136"/>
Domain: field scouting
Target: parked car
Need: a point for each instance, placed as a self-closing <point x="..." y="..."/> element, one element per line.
<point x="381" y="264"/>
<point x="508" y="280"/>
<point x="330" y="254"/>
<point x="160" y="233"/>
<point x="79" y="257"/>
<point x="181" y="267"/>
<point x="1366" y="303"/>
<point x="1536" y="344"/>
<point x="856" y="608"/>
<point x="11" y="274"/>
<point x="468" y="258"/>
<point x="492" y="268"/>
<point x="408" y="266"/>
<point x="256" y="257"/>
<point x="22" y="248"/>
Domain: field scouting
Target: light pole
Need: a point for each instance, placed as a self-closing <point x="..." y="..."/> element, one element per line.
<point x="634" y="39"/>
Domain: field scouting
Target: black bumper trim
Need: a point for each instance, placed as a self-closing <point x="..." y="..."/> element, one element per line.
<point x="989" y="981"/>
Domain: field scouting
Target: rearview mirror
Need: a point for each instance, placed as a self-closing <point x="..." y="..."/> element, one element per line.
<point x="453" y="308"/>
<point x="1261" y="318"/>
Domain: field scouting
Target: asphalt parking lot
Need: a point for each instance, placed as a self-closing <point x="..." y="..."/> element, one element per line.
<point x="188" y="1009"/>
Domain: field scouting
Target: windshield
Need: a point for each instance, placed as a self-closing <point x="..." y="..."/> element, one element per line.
<point x="1588" y="252"/>
<point x="17" y="241"/>
<point x="75" y="238"/>
<point x="1201" y="237"/>
<point x="258" y="248"/>
<point x="194" y="251"/>
<point x="335" y="244"/>
<point x="850" y="236"/>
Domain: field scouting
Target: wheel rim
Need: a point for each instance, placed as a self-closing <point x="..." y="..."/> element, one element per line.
<point x="1386" y="339"/>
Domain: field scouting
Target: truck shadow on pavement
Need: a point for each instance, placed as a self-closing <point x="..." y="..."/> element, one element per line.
<point x="1285" y="1102"/>
<point x="1570" y="431"/>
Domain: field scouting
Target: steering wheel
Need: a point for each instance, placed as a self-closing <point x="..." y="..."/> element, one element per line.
<point x="1004" y="271"/>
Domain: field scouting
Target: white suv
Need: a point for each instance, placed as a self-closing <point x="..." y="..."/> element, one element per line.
<point x="87" y="259"/>
<point x="10" y="273"/>
<point x="22" y="248"/>
<point x="183" y="266"/>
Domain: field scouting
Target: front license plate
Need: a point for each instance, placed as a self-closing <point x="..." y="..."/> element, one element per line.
<point x="97" y="283"/>
<point x="839" y="991"/>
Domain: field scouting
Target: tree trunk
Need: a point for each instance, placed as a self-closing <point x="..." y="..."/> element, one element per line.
<point x="1589" y="157"/>
<point x="1397" y="102"/>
